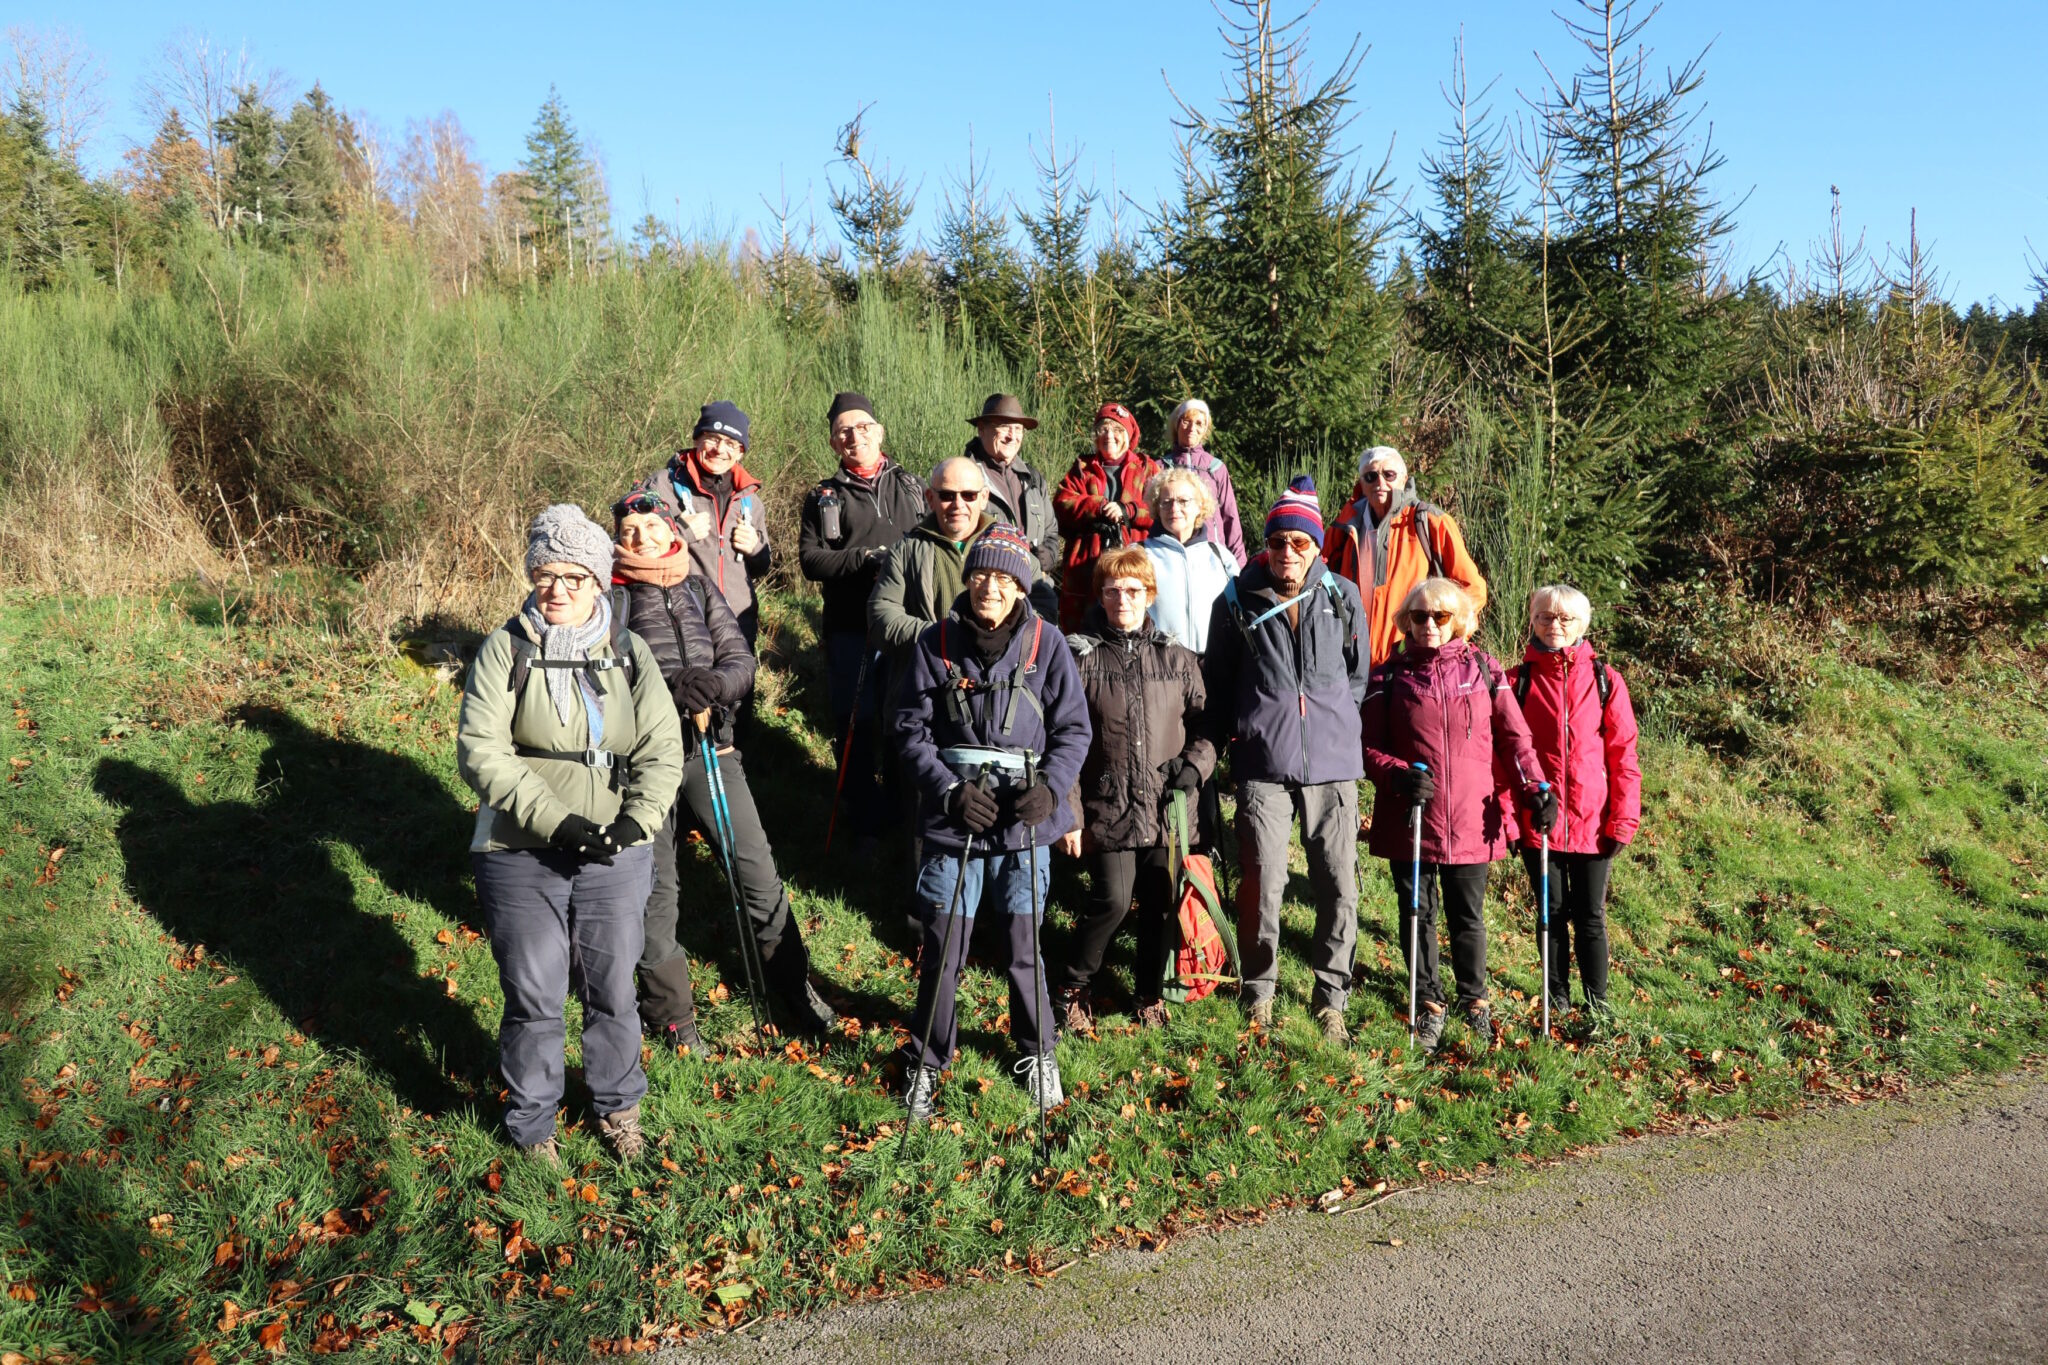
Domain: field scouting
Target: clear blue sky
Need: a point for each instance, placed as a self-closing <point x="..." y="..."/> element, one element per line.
<point x="701" y="110"/>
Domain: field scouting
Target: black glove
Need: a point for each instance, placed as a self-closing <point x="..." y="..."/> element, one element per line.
<point x="1419" y="785"/>
<point x="621" y="834"/>
<point x="878" y="556"/>
<point x="1182" y="775"/>
<point x="1034" y="805"/>
<point x="1542" y="804"/>
<point x="581" y="837"/>
<point x="973" y="807"/>
<point x="696" y="689"/>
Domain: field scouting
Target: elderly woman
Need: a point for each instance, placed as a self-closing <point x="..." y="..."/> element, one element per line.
<point x="702" y="653"/>
<point x="1145" y="702"/>
<point x="1584" y="729"/>
<point x="569" y="738"/>
<point x="992" y="727"/>
<point x="1189" y="426"/>
<point x="1101" y="505"/>
<point x="1190" y="567"/>
<point x="1443" y="703"/>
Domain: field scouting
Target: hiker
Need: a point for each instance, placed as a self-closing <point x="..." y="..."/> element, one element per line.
<point x="1444" y="702"/>
<point x="1286" y="670"/>
<point x="926" y="571"/>
<point x="1190" y="565"/>
<point x="1017" y="492"/>
<point x="1101" y="505"/>
<point x="1584" y="730"/>
<point x="1145" y="704"/>
<point x="718" y="503"/>
<point x="704" y="660"/>
<point x="1409" y="540"/>
<point x="1187" y="427"/>
<point x="851" y="520"/>
<point x="992" y="728"/>
<point x="570" y="741"/>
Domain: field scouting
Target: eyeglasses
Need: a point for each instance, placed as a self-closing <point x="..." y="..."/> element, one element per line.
<point x="714" y="443"/>
<point x="982" y="578"/>
<point x="952" y="495"/>
<point x="569" y="582"/>
<point x="1381" y="476"/>
<point x="1554" y="618"/>
<point x="1442" y="618"/>
<point x="1119" y="590"/>
<point x="853" y="431"/>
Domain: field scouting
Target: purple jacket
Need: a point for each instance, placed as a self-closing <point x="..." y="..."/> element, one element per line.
<point x="1228" y="530"/>
<point x="1056" y="729"/>
<point x="1454" y="709"/>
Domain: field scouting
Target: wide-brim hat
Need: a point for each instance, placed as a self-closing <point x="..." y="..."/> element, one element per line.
<point x="1004" y="407"/>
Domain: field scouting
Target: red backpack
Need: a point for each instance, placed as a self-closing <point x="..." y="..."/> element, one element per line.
<point x="1207" y="944"/>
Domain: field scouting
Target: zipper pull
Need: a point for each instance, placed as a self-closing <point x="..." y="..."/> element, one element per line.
<point x="1302" y="698"/>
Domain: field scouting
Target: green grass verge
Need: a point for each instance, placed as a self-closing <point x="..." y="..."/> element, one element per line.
<point x="246" y="1020"/>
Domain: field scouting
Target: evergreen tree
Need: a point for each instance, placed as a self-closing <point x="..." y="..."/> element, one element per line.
<point x="314" y="140"/>
<point x="873" y="210"/>
<point x="40" y="198"/>
<point x="563" y="188"/>
<point x="253" y="140"/>
<point x="1070" y="315"/>
<point x="980" y="276"/>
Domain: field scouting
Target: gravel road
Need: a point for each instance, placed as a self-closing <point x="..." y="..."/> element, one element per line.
<point x="1914" y="1230"/>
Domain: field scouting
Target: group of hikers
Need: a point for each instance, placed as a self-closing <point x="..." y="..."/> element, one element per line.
<point x="1014" y="668"/>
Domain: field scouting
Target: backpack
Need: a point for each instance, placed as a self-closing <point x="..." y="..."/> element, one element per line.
<point x="1602" y="684"/>
<point x="526" y="654"/>
<point x="1208" y="945"/>
<point x="958" y="685"/>
<point x="1328" y="583"/>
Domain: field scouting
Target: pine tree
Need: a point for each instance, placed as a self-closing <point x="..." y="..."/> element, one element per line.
<point x="980" y="276"/>
<point x="254" y="143"/>
<point x="561" y="184"/>
<point x="314" y="140"/>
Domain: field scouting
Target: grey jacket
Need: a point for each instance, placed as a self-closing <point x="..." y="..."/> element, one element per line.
<point x="1035" y="518"/>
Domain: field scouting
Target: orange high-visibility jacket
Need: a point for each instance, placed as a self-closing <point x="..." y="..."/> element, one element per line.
<point x="1413" y="554"/>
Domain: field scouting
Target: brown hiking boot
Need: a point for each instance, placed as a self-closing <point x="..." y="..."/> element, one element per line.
<point x="621" y="1132"/>
<point x="1260" y="1012"/>
<point x="1331" y="1019"/>
<point x="545" y="1152"/>
<point x="1075" y="1016"/>
<point x="1152" y="1014"/>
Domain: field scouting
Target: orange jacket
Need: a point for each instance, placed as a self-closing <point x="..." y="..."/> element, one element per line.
<point x="1347" y="550"/>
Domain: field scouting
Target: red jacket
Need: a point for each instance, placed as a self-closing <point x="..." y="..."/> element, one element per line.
<point x="1078" y="505"/>
<point x="1451" y="708"/>
<point x="1588" y="757"/>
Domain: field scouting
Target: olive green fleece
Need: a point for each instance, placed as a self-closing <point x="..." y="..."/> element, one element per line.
<point x="524" y="799"/>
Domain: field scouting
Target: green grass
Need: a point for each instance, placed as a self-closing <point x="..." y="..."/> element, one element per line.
<point x="298" y="1121"/>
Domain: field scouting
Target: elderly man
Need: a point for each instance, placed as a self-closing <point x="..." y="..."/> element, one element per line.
<point x="925" y="574"/>
<point x="1386" y="541"/>
<point x="1017" y="492"/>
<point x="851" y="520"/>
<point x="720" y="507"/>
<point x="1285" y="673"/>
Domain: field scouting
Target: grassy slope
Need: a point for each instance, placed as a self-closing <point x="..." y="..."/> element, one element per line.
<point x="292" y="1131"/>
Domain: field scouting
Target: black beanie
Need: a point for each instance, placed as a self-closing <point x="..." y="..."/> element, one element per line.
<point x="849" y="402"/>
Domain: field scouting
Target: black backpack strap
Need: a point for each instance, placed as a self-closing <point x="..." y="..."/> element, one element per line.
<point x="622" y="634"/>
<point x="1522" y="683"/>
<point x="1424" y="514"/>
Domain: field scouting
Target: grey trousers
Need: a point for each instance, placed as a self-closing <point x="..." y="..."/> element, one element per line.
<point x="1266" y="812"/>
<point x="556" y="924"/>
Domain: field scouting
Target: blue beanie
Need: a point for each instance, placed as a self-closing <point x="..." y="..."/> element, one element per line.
<point x="1005" y="548"/>
<point x="723" y="418"/>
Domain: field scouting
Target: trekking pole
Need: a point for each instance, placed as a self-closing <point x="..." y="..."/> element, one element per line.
<point x="860" y="681"/>
<point x="1041" y="1006"/>
<point x="1415" y="911"/>
<point x="1543" y="917"/>
<point x="924" y="1044"/>
<point x="721" y="830"/>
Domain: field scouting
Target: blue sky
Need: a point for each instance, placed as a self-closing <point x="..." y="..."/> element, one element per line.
<point x="702" y="110"/>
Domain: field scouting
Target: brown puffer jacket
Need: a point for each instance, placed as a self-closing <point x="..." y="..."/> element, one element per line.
<point x="1145" y="699"/>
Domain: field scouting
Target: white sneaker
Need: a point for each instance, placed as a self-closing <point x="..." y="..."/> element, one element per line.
<point x="1042" y="1081"/>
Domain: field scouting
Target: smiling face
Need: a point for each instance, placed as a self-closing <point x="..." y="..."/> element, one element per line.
<point x="1555" y="623"/>
<point x="1001" y="440"/>
<point x="1379" y="481"/>
<point x="1112" y="439"/>
<point x="1194" y="428"/>
<point x="1180" y="511"/>
<point x="1288" y="555"/>
<point x="718" y="452"/>
<point x="1429" y="627"/>
<point x="991" y="596"/>
<point x="1125" y="601"/>
<point x="857" y="439"/>
<point x="566" y="593"/>
<point x="646" y="533"/>
<point x="957" y="494"/>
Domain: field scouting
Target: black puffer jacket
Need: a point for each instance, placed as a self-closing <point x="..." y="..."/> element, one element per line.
<point x="836" y="549"/>
<point x="1145" y="699"/>
<point x="689" y="626"/>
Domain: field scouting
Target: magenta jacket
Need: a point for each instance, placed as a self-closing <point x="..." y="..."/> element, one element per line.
<point x="1452" y="709"/>
<point x="1590" y="758"/>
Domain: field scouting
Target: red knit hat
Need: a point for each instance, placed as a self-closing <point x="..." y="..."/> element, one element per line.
<point x="1298" y="509"/>
<point x="1121" y="415"/>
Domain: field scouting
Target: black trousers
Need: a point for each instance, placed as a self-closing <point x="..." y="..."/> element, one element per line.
<point x="1463" y="898"/>
<point x="1115" y="877"/>
<point x="1578" y="911"/>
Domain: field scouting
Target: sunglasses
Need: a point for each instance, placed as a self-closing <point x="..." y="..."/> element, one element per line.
<point x="1442" y="618"/>
<point x="951" y="495"/>
<point x="640" y="504"/>
<point x="1381" y="476"/>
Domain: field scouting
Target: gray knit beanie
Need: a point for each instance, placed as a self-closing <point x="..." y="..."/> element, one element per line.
<point x="562" y="534"/>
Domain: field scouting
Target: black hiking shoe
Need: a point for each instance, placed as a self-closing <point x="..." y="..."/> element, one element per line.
<point x="920" y="1092"/>
<point x="676" y="1037"/>
<point x="807" y="1009"/>
<point x="1429" y="1030"/>
<point x="1479" y="1018"/>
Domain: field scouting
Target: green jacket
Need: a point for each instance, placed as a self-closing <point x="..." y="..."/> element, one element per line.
<point x="524" y="799"/>
<point x="925" y="574"/>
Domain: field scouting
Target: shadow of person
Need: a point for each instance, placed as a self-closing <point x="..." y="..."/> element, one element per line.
<point x="258" y="883"/>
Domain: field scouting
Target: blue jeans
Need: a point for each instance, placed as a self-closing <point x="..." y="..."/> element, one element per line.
<point x="1008" y="877"/>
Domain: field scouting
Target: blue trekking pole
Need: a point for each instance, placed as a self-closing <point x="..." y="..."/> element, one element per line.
<point x="721" y="823"/>
<point x="1415" y="910"/>
<point x="1543" y="915"/>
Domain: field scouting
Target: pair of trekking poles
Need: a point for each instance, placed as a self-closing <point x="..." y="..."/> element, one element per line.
<point x="721" y="821"/>
<point x="984" y="779"/>
<point x="1415" y="914"/>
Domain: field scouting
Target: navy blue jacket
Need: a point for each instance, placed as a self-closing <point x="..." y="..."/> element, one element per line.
<point x="1286" y="699"/>
<point x="922" y="722"/>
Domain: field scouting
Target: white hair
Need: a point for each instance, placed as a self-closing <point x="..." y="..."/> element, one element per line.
<point x="1187" y="406"/>
<point x="1566" y="596"/>
<point x="1383" y="455"/>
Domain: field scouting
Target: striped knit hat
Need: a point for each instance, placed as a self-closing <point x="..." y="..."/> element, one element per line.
<point x="1004" y="547"/>
<point x="1298" y="510"/>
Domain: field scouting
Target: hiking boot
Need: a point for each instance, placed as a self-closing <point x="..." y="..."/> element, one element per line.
<point x="920" y="1092"/>
<point x="1331" y="1020"/>
<point x="1599" y="1020"/>
<point x="1260" y="1013"/>
<point x="1479" y="1018"/>
<point x="1075" y="1016"/>
<point x="1429" y="1029"/>
<point x="1041" y="1078"/>
<point x="621" y="1133"/>
<point x="678" y="1036"/>
<point x="1152" y="1014"/>
<point x="807" y="1009"/>
<point x="545" y="1152"/>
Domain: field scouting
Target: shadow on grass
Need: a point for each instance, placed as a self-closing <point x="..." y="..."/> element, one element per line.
<point x="258" y="884"/>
